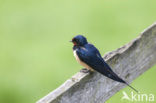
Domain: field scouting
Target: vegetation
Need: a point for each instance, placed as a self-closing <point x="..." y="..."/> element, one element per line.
<point x="35" y="55"/>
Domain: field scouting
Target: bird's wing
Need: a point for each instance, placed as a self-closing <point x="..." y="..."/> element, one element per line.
<point x="91" y="56"/>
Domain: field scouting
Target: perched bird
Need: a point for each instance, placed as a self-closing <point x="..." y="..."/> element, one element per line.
<point x="88" y="56"/>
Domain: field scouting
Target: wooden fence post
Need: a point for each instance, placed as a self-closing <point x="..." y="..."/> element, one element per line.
<point x="128" y="62"/>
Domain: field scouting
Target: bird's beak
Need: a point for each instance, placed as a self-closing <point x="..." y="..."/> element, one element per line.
<point x="70" y="41"/>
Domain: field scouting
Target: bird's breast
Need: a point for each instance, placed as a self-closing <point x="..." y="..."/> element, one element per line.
<point x="81" y="62"/>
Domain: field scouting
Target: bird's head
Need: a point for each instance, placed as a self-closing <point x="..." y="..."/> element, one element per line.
<point x="79" y="40"/>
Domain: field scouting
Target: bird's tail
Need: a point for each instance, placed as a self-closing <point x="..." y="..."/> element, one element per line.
<point x="117" y="78"/>
<point x="132" y="87"/>
<point x="107" y="71"/>
<point x="123" y="81"/>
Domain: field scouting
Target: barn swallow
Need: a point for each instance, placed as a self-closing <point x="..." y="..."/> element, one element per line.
<point x="89" y="56"/>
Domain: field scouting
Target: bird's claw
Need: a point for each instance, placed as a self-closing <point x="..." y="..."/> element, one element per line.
<point x="84" y="70"/>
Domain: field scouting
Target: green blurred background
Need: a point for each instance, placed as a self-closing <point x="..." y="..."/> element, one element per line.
<point x="35" y="55"/>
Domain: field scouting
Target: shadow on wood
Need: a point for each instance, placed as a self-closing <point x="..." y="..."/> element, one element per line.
<point x="128" y="62"/>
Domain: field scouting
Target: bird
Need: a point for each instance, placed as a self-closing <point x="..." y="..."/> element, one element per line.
<point x="89" y="57"/>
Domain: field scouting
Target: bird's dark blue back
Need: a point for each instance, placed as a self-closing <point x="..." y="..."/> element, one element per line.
<point x="91" y="56"/>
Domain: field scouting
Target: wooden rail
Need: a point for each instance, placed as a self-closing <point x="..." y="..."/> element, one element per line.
<point x="128" y="62"/>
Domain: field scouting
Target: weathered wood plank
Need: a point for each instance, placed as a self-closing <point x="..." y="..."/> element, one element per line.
<point x="128" y="62"/>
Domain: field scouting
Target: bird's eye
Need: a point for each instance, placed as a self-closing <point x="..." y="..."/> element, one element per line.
<point x="77" y="40"/>
<point x="74" y="40"/>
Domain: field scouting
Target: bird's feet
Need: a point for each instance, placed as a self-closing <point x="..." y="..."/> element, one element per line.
<point x="84" y="70"/>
